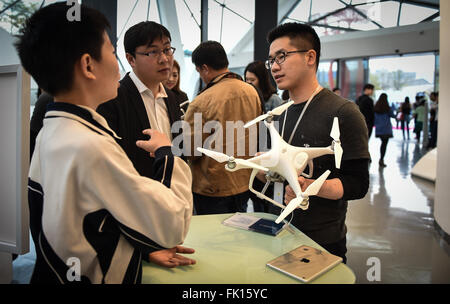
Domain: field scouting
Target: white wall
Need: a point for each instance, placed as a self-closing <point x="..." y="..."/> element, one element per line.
<point x="422" y="37"/>
<point x="442" y="196"/>
<point x="8" y="53"/>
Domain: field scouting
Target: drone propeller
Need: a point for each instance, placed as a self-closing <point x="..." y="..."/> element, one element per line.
<point x="217" y="156"/>
<point x="312" y="189"/>
<point x="277" y="111"/>
<point x="221" y="157"/>
<point x="335" y="134"/>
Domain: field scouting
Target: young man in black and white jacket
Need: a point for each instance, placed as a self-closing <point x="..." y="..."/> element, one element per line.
<point x="87" y="201"/>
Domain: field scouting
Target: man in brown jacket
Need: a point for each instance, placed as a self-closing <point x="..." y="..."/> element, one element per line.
<point x="225" y="105"/>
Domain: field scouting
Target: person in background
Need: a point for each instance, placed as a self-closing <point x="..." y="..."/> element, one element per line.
<point x="285" y="95"/>
<point x="434" y="97"/>
<point x="226" y="98"/>
<point x="405" y="110"/>
<point x="337" y="91"/>
<point x="383" y="126"/>
<point x="256" y="74"/>
<point x="365" y="104"/>
<point x="419" y="115"/>
<point x="173" y="83"/>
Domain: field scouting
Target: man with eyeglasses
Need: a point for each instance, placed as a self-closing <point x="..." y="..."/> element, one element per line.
<point x="142" y="100"/>
<point x="293" y="62"/>
<point x="143" y="103"/>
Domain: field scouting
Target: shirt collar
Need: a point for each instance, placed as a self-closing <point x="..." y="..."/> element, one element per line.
<point x="142" y="88"/>
<point x="81" y="113"/>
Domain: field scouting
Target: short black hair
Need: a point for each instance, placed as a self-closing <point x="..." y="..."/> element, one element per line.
<point x="336" y="89"/>
<point x="143" y="33"/>
<point x="210" y="53"/>
<point x="368" y="86"/>
<point x="49" y="45"/>
<point x="305" y="34"/>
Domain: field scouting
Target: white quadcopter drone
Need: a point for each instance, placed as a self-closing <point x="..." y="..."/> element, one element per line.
<point x="284" y="162"/>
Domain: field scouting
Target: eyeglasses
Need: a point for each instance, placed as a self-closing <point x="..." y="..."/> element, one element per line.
<point x="280" y="58"/>
<point x="156" y="53"/>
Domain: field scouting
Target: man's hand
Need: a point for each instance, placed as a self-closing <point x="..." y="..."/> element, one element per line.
<point x="331" y="189"/>
<point x="170" y="257"/>
<point x="156" y="141"/>
<point x="289" y="194"/>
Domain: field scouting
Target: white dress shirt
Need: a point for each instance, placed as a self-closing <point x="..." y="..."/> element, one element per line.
<point x="157" y="113"/>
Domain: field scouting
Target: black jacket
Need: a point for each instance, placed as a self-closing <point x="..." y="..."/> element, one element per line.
<point x="127" y="116"/>
<point x="365" y="104"/>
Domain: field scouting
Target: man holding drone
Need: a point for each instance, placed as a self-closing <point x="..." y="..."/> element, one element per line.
<point x="293" y="61"/>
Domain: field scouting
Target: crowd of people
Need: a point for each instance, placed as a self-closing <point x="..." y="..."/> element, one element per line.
<point x="104" y="184"/>
<point x="379" y="114"/>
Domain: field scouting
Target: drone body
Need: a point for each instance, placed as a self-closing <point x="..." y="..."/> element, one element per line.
<point x="284" y="162"/>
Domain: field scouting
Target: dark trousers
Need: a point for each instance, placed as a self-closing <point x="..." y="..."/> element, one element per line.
<point x="384" y="142"/>
<point x="339" y="248"/>
<point x="405" y="127"/>
<point x="433" y="138"/>
<point x="369" y="130"/>
<point x="225" y="204"/>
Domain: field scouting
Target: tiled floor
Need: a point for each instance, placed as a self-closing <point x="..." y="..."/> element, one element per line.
<point x="393" y="223"/>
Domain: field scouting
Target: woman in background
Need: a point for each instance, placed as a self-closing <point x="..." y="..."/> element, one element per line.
<point x="256" y="74"/>
<point x="383" y="126"/>
<point x="173" y="83"/>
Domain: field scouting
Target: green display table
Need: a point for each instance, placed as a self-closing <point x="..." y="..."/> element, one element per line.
<point x="227" y="255"/>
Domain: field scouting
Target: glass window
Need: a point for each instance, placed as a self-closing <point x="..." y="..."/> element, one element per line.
<point x="229" y="22"/>
<point x="351" y="77"/>
<point x="384" y="13"/>
<point x="412" y="14"/>
<point x="14" y="17"/>
<point x="129" y="13"/>
<point x="327" y="74"/>
<point x="333" y="17"/>
<point x="401" y="76"/>
<point x="189" y="20"/>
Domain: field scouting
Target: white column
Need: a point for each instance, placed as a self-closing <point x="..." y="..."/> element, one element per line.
<point x="442" y="194"/>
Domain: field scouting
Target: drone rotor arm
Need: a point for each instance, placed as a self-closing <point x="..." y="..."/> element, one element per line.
<point x="243" y="163"/>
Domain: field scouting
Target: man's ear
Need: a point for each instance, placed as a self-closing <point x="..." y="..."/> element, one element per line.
<point x="312" y="57"/>
<point x="87" y="66"/>
<point x="205" y="69"/>
<point x="131" y="59"/>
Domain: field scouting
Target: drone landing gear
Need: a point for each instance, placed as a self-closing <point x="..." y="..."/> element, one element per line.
<point x="259" y="194"/>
